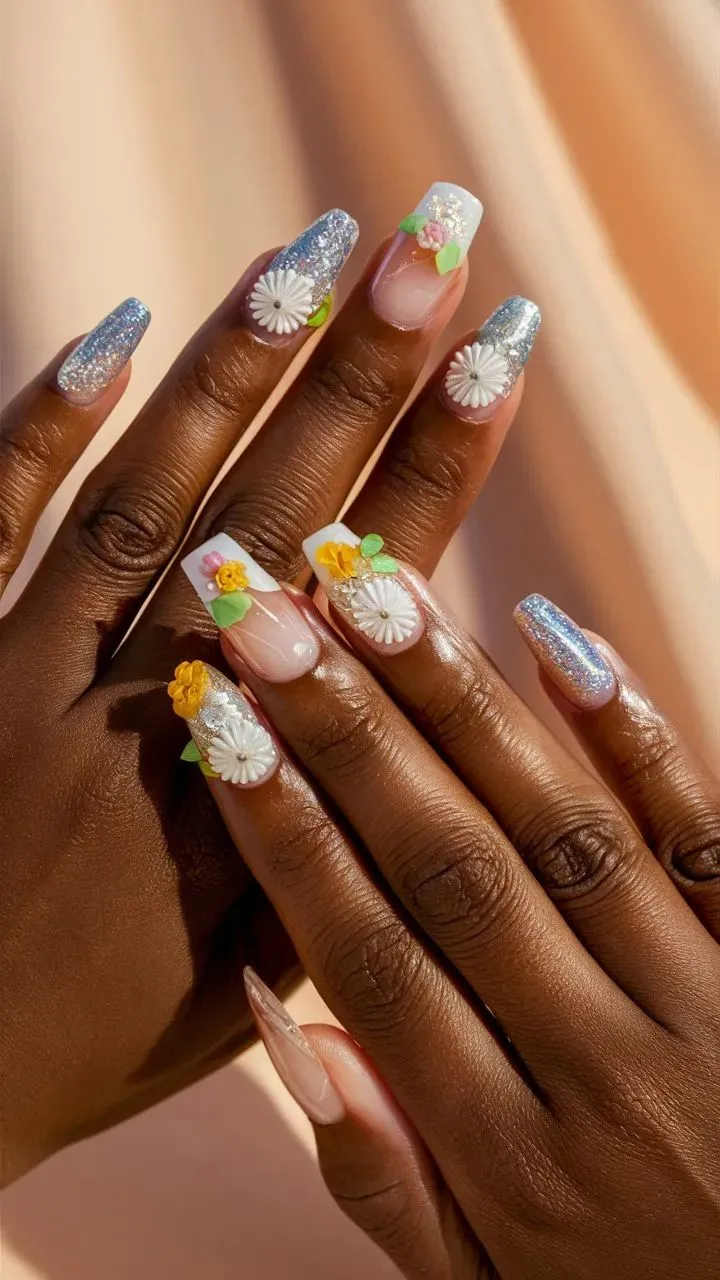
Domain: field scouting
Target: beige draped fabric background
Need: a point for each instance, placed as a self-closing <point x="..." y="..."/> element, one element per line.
<point x="154" y="147"/>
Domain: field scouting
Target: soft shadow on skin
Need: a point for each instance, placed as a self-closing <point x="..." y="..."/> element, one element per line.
<point x="228" y="920"/>
<point x="210" y="1185"/>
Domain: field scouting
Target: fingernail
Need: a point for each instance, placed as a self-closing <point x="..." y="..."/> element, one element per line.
<point x="364" y="584"/>
<point x="297" y="1064"/>
<point x="294" y="289"/>
<point x="228" y="740"/>
<point x="480" y="376"/>
<point x="94" y="364"/>
<point x="571" y="661"/>
<point x="420" y="264"/>
<point x="262" y="624"/>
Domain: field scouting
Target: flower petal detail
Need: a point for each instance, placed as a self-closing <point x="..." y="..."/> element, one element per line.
<point x="384" y="611"/>
<point x="477" y="375"/>
<point x="241" y="752"/>
<point x="282" y="300"/>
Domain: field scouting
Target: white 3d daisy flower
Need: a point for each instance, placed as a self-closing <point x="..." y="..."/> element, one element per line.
<point x="282" y="300"/>
<point x="384" y="611"/>
<point x="241" y="752"/>
<point x="477" y="375"/>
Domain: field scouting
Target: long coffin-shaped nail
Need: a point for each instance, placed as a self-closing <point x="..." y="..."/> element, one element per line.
<point x="229" y="742"/>
<point x="294" y="290"/>
<point x="571" y="661"/>
<point x="365" y="585"/>
<point x="297" y="1064"/>
<point x="261" y="622"/>
<point x="420" y="264"/>
<point x="481" y="375"/>
<point x="94" y="364"/>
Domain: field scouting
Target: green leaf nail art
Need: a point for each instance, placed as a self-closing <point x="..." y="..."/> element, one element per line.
<point x="207" y="770"/>
<point x="191" y="754"/>
<point x="371" y="544"/>
<point x="413" y="223"/>
<point x="384" y="564"/>
<point x="447" y="258"/>
<point x="320" y="316"/>
<point x="230" y="608"/>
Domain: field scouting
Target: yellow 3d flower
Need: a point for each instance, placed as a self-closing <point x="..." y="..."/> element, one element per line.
<point x="231" y="576"/>
<point x="339" y="558"/>
<point x="187" y="690"/>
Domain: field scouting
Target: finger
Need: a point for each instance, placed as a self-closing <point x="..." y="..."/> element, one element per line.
<point x="47" y="426"/>
<point x="672" y="796"/>
<point x="440" y="455"/>
<point x="132" y="512"/>
<point x="374" y="973"/>
<point x="437" y="847"/>
<point x="583" y="850"/>
<point x="373" y="1161"/>
<point x="299" y="469"/>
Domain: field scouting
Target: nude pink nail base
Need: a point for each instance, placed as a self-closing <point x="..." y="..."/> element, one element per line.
<point x="365" y="585"/>
<point x="295" y="1061"/>
<point x="262" y="624"/>
<point x="419" y="266"/>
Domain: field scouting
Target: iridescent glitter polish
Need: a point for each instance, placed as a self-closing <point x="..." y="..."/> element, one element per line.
<point x="565" y="654"/>
<point x="294" y="291"/>
<point x="94" y="364"/>
<point x="483" y="373"/>
<point x="420" y="265"/>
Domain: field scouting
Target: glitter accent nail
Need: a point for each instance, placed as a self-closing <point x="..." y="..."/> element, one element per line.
<point x="565" y="654"/>
<point x="294" y="289"/>
<point x="484" y="372"/>
<point x="94" y="364"/>
<point x="321" y="251"/>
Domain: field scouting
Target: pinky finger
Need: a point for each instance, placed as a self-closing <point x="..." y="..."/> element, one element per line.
<point x="372" y="1160"/>
<point x="671" y="795"/>
<point x="44" y="430"/>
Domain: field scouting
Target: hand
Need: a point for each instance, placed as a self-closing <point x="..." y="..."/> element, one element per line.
<point x="537" y="991"/>
<point x="126" y="913"/>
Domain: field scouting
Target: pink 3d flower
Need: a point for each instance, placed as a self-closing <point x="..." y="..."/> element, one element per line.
<point x="212" y="562"/>
<point x="434" y="236"/>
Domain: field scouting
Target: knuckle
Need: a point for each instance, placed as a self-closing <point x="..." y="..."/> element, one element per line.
<point x="465" y="704"/>
<point x="575" y="847"/>
<point x="132" y="526"/>
<point x="358" y="390"/>
<point x="299" y="847"/>
<point x="380" y="974"/>
<point x="424" y="476"/>
<point x="266" y="526"/>
<point x="383" y="1212"/>
<point x="345" y="731"/>
<point x="694" y="855"/>
<point x="207" y="385"/>
<point x="29" y="448"/>
<point x="464" y="886"/>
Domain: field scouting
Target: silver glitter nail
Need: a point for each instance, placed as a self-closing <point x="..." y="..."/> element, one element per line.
<point x="512" y="330"/>
<point x="564" y="652"/>
<point x="320" y="252"/>
<point x="96" y="362"/>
